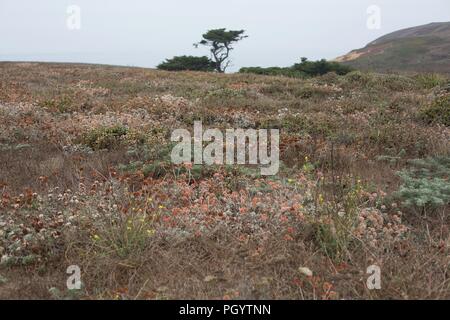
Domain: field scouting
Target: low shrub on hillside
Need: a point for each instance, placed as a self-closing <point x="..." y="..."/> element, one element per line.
<point x="104" y="138"/>
<point x="438" y="111"/>
<point x="321" y="67"/>
<point x="382" y="82"/>
<point x="187" y="63"/>
<point x="431" y="80"/>
<point x="303" y="69"/>
<point x="274" y="71"/>
<point x="426" y="184"/>
<point x="60" y="104"/>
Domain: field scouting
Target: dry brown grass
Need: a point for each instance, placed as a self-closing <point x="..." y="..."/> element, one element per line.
<point x="226" y="233"/>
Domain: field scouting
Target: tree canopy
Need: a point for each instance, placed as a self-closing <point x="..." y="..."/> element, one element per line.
<point x="220" y="42"/>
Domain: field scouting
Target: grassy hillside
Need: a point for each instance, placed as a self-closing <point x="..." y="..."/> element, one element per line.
<point x="86" y="180"/>
<point x="419" y="49"/>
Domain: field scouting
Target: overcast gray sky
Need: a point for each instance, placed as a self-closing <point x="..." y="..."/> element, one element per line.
<point x="145" y="32"/>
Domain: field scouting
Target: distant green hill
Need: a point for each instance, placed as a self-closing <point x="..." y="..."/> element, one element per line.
<point x="419" y="49"/>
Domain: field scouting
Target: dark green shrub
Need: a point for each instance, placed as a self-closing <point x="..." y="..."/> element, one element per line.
<point x="321" y="67"/>
<point x="274" y="71"/>
<point x="187" y="63"/>
<point x="303" y="69"/>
